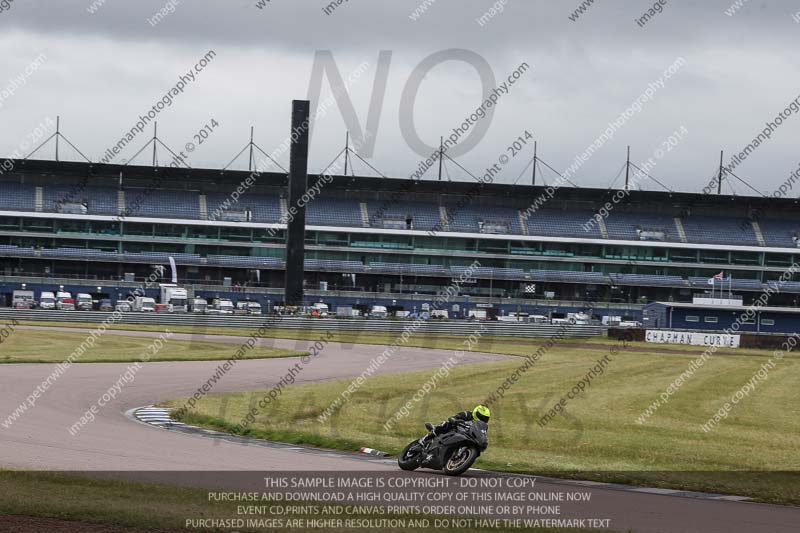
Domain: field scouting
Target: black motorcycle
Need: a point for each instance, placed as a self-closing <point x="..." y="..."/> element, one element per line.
<point x="453" y="453"/>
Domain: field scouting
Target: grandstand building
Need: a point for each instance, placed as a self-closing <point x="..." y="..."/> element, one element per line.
<point x="388" y="241"/>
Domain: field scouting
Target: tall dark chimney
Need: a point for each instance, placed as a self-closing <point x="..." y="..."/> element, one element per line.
<point x="298" y="183"/>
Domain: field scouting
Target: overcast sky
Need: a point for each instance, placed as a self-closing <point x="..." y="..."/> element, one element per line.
<point x="105" y="69"/>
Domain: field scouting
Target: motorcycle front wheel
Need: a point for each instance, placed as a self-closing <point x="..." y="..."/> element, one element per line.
<point x="409" y="459"/>
<point x="459" y="460"/>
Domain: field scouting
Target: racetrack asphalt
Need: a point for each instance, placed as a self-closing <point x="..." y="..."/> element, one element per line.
<point x="39" y="439"/>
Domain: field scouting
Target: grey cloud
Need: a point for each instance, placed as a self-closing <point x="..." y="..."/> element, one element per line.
<point x="104" y="69"/>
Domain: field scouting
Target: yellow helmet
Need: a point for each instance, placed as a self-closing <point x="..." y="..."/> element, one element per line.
<point x="481" y="412"/>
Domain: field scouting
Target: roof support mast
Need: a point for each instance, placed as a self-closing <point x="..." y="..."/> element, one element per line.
<point x="155" y="137"/>
<point x="719" y="177"/>
<point x="58" y="133"/>
<point x="441" y="142"/>
<point x="627" y="168"/>
<point x="251" y="160"/>
<point x="533" y="179"/>
<point x="346" y="151"/>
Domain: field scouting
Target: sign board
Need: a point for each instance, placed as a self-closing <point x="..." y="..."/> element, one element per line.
<point x="693" y="338"/>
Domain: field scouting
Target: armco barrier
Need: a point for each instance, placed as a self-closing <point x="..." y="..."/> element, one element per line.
<point x="455" y="328"/>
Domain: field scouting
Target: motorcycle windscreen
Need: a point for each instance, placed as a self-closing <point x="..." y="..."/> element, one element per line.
<point x="479" y="433"/>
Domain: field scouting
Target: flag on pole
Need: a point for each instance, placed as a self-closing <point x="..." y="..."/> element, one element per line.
<point x="716" y="277"/>
<point x="174" y="269"/>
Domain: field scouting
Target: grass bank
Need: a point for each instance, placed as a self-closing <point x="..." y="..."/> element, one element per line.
<point x="753" y="452"/>
<point x="503" y="345"/>
<point x="39" y="346"/>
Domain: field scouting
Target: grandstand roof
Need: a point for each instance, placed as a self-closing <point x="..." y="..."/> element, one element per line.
<point x="46" y="171"/>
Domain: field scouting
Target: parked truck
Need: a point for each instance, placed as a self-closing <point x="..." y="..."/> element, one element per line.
<point x="22" y="300"/>
<point x="223" y="306"/>
<point x="47" y="300"/>
<point x="175" y="298"/>
<point x="83" y="302"/>
<point x="64" y="301"/>
<point x="247" y="307"/>
<point x="144" y="304"/>
<point x="198" y="305"/>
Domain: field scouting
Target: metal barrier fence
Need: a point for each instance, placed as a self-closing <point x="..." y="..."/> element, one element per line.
<point x="453" y="328"/>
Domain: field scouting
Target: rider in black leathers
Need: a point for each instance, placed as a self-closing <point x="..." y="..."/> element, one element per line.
<point x="481" y="412"/>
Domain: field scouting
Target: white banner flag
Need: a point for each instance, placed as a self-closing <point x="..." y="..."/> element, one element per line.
<point x="174" y="269"/>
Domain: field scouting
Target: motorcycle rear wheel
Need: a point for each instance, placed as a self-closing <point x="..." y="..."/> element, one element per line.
<point x="460" y="460"/>
<point x="409" y="459"/>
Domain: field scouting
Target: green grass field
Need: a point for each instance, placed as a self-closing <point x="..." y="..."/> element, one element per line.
<point x="80" y="500"/>
<point x="503" y="345"/>
<point x="40" y="346"/>
<point x="598" y="438"/>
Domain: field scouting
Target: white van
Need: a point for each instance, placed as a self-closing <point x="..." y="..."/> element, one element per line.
<point x="83" y="302"/>
<point x="378" y="311"/>
<point x="47" y="300"/>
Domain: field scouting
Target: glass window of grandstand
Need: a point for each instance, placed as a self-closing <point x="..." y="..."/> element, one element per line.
<point x="634" y="253"/>
<point x="104" y="228"/>
<point x="745" y="258"/>
<point x="399" y="242"/>
<point x="269" y="235"/>
<point x="558" y="249"/>
<point x="390" y="242"/>
<point x="526" y="248"/>
<point x="682" y="272"/>
<point x="692" y="318"/>
<point x="492" y="246"/>
<point x="767" y="322"/>
<point x="713" y="256"/>
<point x="134" y="247"/>
<point x="68" y="243"/>
<point x="440" y="243"/>
<point x="228" y="233"/>
<point x="10" y="223"/>
<point x="744" y="274"/>
<point x="680" y="255"/>
<point x="262" y="252"/>
<point x="134" y="229"/>
<point x="230" y="250"/>
<point x="169" y="248"/>
<point x="72" y="226"/>
<point x="778" y="260"/>
<point x="106" y="246"/>
<point x="170" y="230"/>
<point x="335" y="239"/>
<point x="41" y="225"/>
<point x="710" y="320"/>
<point x="202" y="232"/>
<point x="776" y="276"/>
<point x="588" y="250"/>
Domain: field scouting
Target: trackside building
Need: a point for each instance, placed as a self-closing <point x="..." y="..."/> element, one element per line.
<point x="717" y="318"/>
